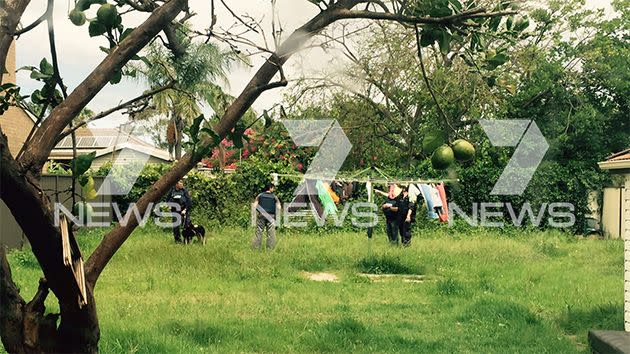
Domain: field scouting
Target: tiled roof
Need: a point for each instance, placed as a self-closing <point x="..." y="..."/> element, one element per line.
<point x="620" y="156"/>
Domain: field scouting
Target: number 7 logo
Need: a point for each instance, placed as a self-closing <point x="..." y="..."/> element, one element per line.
<point x="531" y="147"/>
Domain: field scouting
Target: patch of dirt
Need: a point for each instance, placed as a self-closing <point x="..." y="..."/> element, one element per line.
<point x="407" y="278"/>
<point x="321" y="276"/>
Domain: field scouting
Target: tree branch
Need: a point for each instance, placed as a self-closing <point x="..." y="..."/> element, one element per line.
<point x="44" y="139"/>
<point x="104" y="114"/>
<point x="10" y="14"/>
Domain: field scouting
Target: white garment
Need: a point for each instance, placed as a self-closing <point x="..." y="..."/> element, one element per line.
<point x="414" y="192"/>
<point x="435" y="198"/>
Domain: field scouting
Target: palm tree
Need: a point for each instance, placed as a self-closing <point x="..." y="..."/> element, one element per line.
<point x="195" y="76"/>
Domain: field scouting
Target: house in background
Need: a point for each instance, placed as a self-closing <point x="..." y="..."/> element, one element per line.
<point x="618" y="341"/>
<point x="16" y="123"/>
<point x="110" y="145"/>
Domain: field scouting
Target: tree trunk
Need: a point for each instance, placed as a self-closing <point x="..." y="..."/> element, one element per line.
<point x="10" y="14"/>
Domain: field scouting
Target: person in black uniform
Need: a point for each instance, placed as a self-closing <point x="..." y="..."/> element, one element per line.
<point x="390" y="209"/>
<point x="180" y="196"/>
<point x="266" y="207"/>
<point x="406" y="216"/>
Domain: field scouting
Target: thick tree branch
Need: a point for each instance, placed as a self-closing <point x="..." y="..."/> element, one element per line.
<point x="123" y="105"/>
<point x="43" y="141"/>
<point x="10" y="14"/>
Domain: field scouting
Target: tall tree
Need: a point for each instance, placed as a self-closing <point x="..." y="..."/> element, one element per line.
<point x="196" y="78"/>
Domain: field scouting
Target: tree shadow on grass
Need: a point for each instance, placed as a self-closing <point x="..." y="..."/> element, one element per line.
<point x="347" y="334"/>
<point x="198" y="332"/>
<point x="605" y="316"/>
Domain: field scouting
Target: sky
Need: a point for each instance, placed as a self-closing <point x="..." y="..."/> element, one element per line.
<point x="79" y="54"/>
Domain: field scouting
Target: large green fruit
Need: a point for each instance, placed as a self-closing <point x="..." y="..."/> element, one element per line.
<point x="464" y="151"/>
<point x="443" y="157"/>
<point x="83" y="211"/>
<point x="77" y="17"/>
<point x="107" y="15"/>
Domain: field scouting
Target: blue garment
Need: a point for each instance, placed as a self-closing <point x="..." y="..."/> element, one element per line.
<point x="426" y="194"/>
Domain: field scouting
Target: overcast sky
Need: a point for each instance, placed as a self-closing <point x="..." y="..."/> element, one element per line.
<point x="79" y="54"/>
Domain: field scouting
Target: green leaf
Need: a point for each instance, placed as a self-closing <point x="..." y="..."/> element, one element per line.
<point x="37" y="97"/>
<point x="475" y="41"/>
<point x="116" y="78"/>
<point x="82" y="163"/>
<point x="96" y="29"/>
<point x="212" y="134"/>
<point x="445" y="42"/>
<point x="497" y="60"/>
<point x="46" y="68"/>
<point x="126" y="33"/>
<point x="6" y="86"/>
<point x="456" y="5"/>
<point x="494" y="23"/>
<point x="429" y="36"/>
<point x="268" y="120"/>
<point x="433" y="140"/>
<point x="521" y="24"/>
<point x="491" y="81"/>
<point x="195" y="127"/>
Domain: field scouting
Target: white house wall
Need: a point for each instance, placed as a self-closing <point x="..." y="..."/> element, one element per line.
<point x="626" y="213"/>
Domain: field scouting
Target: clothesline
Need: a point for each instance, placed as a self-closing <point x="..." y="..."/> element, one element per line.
<point x="365" y="180"/>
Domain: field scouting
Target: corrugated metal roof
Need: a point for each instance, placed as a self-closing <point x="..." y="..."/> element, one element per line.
<point x="99" y="138"/>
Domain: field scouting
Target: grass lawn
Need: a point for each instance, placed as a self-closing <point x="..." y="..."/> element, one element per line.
<point x="538" y="292"/>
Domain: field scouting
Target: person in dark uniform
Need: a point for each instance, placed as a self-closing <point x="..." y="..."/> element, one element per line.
<point x="406" y="215"/>
<point x="180" y="196"/>
<point x="390" y="209"/>
<point x="266" y="207"/>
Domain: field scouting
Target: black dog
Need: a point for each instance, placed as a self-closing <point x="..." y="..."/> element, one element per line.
<point x="190" y="231"/>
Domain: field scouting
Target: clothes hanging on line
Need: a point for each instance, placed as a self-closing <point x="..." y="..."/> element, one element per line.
<point x="414" y="192"/>
<point x="442" y="192"/>
<point x="325" y="198"/>
<point x="331" y="193"/>
<point x="394" y="191"/>
<point x="426" y="194"/>
<point x="307" y="194"/>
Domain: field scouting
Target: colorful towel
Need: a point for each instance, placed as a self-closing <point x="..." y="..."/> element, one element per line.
<point x="325" y="198"/>
<point x="444" y="214"/>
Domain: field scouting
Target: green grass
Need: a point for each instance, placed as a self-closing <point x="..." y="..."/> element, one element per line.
<point x="539" y="292"/>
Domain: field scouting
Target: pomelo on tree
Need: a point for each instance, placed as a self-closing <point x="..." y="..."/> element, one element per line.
<point x="464" y="150"/>
<point x="442" y="157"/>
<point x="77" y="17"/>
<point x="107" y="15"/>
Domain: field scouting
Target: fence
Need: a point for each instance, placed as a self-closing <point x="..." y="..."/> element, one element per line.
<point x="58" y="189"/>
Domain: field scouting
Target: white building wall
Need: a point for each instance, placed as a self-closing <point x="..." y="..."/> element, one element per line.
<point x="626" y="214"/>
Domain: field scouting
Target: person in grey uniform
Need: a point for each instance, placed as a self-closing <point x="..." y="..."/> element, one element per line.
<point x="266" y="207"/>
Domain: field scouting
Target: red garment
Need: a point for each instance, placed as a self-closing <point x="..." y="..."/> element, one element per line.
<point x="444" y="214"/>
